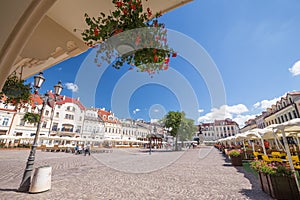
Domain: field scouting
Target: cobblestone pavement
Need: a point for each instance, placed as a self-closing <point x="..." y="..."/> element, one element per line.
<point x="128" y="174"/>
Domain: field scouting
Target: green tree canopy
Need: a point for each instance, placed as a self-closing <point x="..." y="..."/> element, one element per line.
<point x="31" y="118"/>
<point x="179" y="126"/>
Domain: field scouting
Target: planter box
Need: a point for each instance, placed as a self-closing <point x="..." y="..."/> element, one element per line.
<point x="236" y="160"/>
<point x="283" y="187"/>
<point x="264" y="183"/>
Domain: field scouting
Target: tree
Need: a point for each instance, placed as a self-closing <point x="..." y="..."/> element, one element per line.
<point x="187" y="129"/>
<point x="31" y="118"/>
<point x="181" y="127"/>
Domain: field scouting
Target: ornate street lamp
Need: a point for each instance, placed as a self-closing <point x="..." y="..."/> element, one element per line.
<point x="38" y="81"/>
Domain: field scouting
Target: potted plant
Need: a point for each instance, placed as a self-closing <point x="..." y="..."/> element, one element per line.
<point x="276" y="179"/>
<point x="236" y="158"/>
<point x="129" y="36"/>
<point x="15" y="91"/>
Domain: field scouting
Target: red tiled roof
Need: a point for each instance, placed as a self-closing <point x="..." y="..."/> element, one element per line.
<point x="65" y="99"/>
<point x="101" y="114"/>
<point x="36" y="100"/>
<point x="294" y="93"/>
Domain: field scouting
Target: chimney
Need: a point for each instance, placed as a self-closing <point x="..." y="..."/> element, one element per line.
<point x="64" y="98"/>
<point x="78" y="98"/>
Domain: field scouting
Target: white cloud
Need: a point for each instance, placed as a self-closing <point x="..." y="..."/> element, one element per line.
<point x="256" y="105"/>
<point x="236" y="109"/>
<point x="72" y="86"/>
<point x="241" y="119"/>
<point x="295" y="70"/>
<point x="264" y="104"/>
<point x="136" y="110"/>
<point x="200" y="110"/>
<point x="224" y="112"/>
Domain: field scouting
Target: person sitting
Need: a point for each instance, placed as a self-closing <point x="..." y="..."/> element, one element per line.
<point x="267" y="145"/>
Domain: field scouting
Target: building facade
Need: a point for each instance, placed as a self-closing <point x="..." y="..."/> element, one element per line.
<point x="218" y="129"/>
<point x="68" y="117"/>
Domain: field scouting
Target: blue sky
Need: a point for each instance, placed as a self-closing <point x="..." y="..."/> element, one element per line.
<point x="254" y="45"/>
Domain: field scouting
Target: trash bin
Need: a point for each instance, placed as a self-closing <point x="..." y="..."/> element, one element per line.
<point x="41" y="180"/>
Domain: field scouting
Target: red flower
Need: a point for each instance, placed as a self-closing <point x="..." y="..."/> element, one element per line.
<point x="149" y="12"/>
<point x="174" y="54"/>
<point x="96" y="31"/>
<point x="133" y="7"/>
<point x="155" y="58"/>
<point x="117" y="31"/>
<point x="119" y="4"/>
<point x="166" y="67"/>
<point x="125" y="11"/>
<point x="167" y="60"/>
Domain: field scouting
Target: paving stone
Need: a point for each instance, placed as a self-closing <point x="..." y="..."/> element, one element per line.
<point x="129" y="174"/>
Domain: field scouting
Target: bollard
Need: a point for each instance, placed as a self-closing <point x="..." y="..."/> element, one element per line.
<point x="41" y="180"/>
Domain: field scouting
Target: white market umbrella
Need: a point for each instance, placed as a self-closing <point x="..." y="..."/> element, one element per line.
<point x="292" y="124"/>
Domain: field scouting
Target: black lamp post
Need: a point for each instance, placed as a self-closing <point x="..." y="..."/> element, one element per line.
<point x="38" y="81"/>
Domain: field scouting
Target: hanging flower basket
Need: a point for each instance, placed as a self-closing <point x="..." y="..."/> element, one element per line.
<point x="15" y="91"/>
<point x="129" y="36"/>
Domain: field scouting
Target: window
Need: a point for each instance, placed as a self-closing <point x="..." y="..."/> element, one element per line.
<point x="276" y="121"/>
<point x="282" y="120"/>
<point x="47" y="112"/>
<point x="80" y="118"/>
<point x="5" y="121"/>
<point x="279" y="120"/>
<point x="290" y="115"/>
<point x="44" y="125"/>
<point x="78" y="129"/>
<point x="54" y="126"/>
<point x="57" y="114"/>
<point x="286" y="118"/>
<point x="19" y="134"/>
<point x="68" y="116"/>
<point x="295" y="114"/>
<point x="58" y="106"/>
<point x="22" y="123"/>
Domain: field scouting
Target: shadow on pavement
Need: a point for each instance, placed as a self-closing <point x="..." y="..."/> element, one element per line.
<point x="8" y="190"/>
<point x="256" y="191"/>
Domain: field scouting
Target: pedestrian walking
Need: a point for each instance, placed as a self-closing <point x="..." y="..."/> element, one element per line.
<point x="87" y="150"/>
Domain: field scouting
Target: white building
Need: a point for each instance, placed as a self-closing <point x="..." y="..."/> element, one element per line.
<point x="93" y="126"/>
<point x="218" y="129"/>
